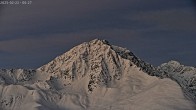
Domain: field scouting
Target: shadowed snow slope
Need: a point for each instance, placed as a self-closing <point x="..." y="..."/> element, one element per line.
<point x="91" y="76"/>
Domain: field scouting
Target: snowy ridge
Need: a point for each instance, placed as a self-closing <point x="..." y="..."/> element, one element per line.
<point x="97" y="56"/>
<point x="95" y="59"/>
<point x="184" y="75"/>
<point x="126" y="54"/>
<point x="91" y="76"/>
<point x="15" y="76"/>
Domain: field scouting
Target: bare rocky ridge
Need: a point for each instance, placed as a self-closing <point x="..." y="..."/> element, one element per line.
<point x="94" y="75"/>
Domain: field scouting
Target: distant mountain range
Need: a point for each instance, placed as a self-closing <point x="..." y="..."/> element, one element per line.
<point x="96" y="75"/>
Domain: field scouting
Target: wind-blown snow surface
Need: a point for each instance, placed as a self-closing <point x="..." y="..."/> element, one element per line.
<point x="92" y="76"/>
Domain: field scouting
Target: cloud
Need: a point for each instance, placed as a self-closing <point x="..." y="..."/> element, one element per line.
<point x="47" y="16"/>
<point x="47" y="41"/>
<point x="47" y="28"/>
<point x="175" y="20"/>
<point x="32" y="52"/>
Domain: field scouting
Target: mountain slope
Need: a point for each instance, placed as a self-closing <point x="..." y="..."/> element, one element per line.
<point x="185" y="76"/>
<point x="93" y="75"/>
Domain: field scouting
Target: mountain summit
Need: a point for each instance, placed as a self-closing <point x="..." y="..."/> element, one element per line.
<point x="104" y="63"/>
<point x="93" y="75"/>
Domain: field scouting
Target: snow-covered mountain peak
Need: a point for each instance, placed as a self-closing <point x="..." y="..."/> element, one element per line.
<point x="97" y="60"/>
<point x="172" y="63"/>
<point x="185" y="76"/>
<point x="83" y="52"/>
<point x="99" y="41"/>
<point x="96" y="75"/>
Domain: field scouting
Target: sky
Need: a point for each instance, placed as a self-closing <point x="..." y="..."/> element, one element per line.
<point x="156" y="31"/>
